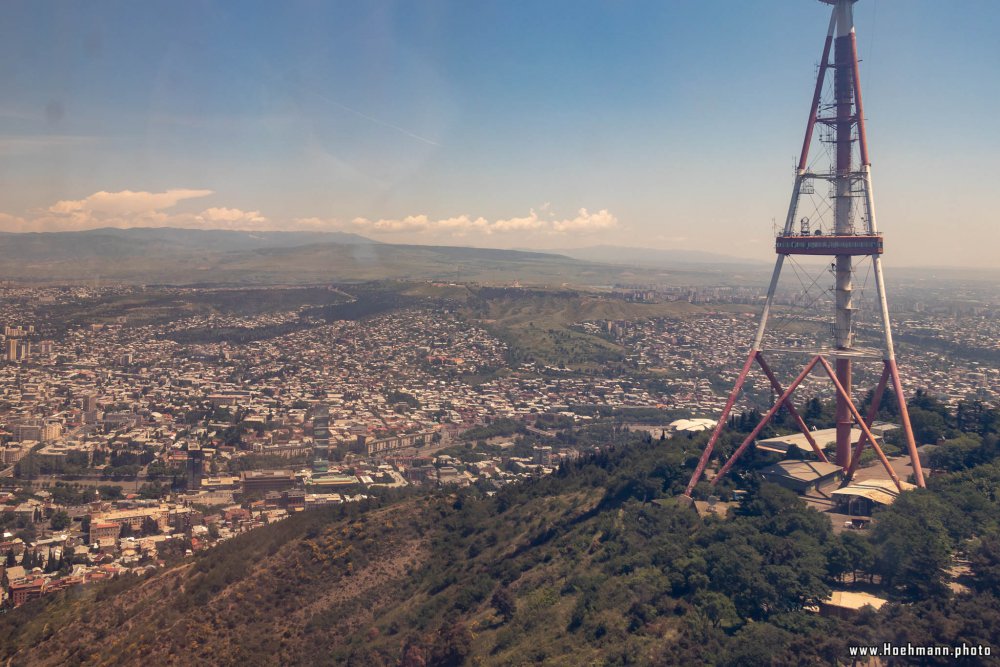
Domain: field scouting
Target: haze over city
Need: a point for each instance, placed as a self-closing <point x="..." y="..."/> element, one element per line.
<point x="666" y="125"/>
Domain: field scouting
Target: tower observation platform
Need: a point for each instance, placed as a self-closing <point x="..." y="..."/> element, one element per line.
<point x="820" y="244"/>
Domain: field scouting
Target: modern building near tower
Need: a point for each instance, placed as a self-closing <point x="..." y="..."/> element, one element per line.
<point x="262" y="481"/>
<point x="802" y="476"/>
<point x="826" y="439"/>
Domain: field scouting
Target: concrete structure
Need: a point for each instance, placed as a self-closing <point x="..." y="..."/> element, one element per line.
<point x="825" y="438"/>
<point x="692" y="425"/>
<point x="713" y="507"/>
<point x="104" y="533"/>
<point x="223" y="483"/>
<point x="12" y="453"/>
<point x="371" y="446"/>
<point x="861" y="498"/>
<point x="263" y="481"/>
<point x="321" y="431"/>
<point x="12" y="575"/>
<point x="26" y="590"/>
<point x="320" y="484"/>
<point x="847" y="604"/>
<point x="542" y="454"/>
<point x="133" y="518"/>
<point x="802" y="476"/>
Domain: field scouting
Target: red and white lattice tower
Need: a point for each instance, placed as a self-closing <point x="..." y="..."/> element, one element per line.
<point x="852" y="234"/>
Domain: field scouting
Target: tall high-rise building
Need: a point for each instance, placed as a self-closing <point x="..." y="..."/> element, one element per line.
<point x="51" y="431"/>
<point x="321" y="431"/>
<point x="89" y="402"/>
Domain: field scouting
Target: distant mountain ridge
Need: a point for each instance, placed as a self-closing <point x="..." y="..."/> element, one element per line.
<point x="651" y="256"/>
<point x="186" y="256"/>
<point x="172" y="255"/>
<point x="116" y="242"/>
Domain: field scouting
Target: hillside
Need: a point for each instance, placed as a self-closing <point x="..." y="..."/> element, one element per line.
<point x="658" y="257"/>
<point x="593" y="565"/>
<point x="115" y="243"/>
<point x="541" y="325"/>
<point x="186" y="256"/>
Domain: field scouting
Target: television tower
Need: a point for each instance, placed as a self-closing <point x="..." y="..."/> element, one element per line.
<point x="852" y="234"/>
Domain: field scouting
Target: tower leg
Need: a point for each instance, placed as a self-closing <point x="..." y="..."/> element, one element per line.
<point x="861" y="422"/>
<point x="766" y="418"/>
<point x="904" y="416"/>
<point x="705" y="455"/>
<point x="872" y="411"/>
<point x="791" y="408"/>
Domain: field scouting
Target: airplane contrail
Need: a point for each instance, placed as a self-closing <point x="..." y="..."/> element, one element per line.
<point x="378" y="121"/>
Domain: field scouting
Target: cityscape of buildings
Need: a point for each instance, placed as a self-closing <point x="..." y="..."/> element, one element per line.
<point x="123" y="447"/>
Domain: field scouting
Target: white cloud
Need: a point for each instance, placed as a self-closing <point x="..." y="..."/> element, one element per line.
<point x="587" y="222"/>
<point x="531" y="222"/>
<point x="129" y="208"/>
<point x="410" y="223"/>
<point x="231" y="216"/>
<point x="126" y="202"/>
<point x="583" y="222"/>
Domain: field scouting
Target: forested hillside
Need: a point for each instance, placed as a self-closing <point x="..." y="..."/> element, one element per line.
<point x="596" y="564"/>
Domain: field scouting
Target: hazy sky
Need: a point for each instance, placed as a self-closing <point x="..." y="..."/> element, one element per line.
<point x="508" y="124"/>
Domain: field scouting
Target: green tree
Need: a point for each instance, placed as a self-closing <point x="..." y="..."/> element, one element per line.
<point x="861" y="553"/>
<point x="717" y="608"/>
<point x="755" y="644"/>
<point x="504" y="604"/>
<point x="51" y="564"/>
<point x="838" y="559"/>
<point x="66" y="561"/>
<point x="415" y="653"/>
<point x="928" y="427"/>
<point x="912" y="545"/>
<point x="957" y="453"/>
<point x="110" y="492"/>
<point x="452" y="644"/>
<point x="29" y="533"/>
<point x="149" y="527"/>
<point x="60" y="520"/>
<point x="153" y="490"/>
<point x="984" y="559"/>
<point x="157" y="470"/>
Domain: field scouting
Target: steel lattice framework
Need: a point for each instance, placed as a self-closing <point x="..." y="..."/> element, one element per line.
<point x="851" y="236"/>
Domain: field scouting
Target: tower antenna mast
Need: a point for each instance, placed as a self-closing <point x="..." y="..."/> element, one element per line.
<point x="851" y="191"/>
